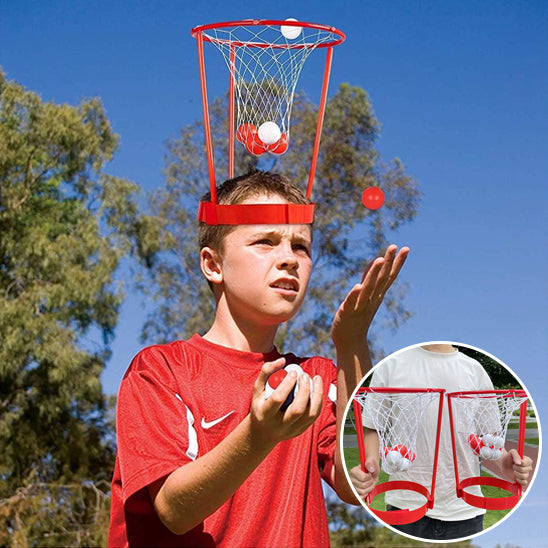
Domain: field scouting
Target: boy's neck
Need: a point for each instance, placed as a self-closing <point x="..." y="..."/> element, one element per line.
<point x="242" y="337"/>
<point x="439" y="348"/>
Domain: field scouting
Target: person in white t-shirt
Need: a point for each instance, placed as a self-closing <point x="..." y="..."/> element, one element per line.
<point x="437" y="365"/>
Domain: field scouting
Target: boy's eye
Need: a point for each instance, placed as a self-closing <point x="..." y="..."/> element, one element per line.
<point x="264" y="241"/>
<point x="301" y="247"/>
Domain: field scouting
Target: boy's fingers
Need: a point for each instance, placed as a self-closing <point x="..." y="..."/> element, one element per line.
<point x="316" y="400"/>
<point x="278" y="397"/>
<point x="307" y="404"/>
<point x="266" y="370"/>
<point x="399" y="261"/>
<point x="394" y="263"/>
<point x="377" y="283"/>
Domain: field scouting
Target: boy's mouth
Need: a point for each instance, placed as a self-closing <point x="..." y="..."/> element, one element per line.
<point x="287" y="284"/>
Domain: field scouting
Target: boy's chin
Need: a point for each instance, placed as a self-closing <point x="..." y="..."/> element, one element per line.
<point x="282" y="316"/>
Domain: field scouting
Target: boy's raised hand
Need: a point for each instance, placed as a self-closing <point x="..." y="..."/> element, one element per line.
<point x="355" y="314"/>
<point x="268" y="422"/>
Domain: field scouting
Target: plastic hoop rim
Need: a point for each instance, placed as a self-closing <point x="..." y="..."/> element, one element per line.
<point x="490" y="503"/>
<point x="400" y="517"/>
<point x="486" y="394"/>
<point x="264" y="22"/>
<point x="255" y="214"/>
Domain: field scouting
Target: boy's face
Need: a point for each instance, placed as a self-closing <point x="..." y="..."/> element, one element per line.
<point x="265" y="269"/>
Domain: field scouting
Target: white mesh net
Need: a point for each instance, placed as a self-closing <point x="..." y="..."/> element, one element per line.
<point x="265" y="62"/>
<point x="483" y="419"/>
<point x="396" y="418"/>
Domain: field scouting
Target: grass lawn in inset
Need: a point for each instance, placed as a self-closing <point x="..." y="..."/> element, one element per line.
<point x="352" y="458"/>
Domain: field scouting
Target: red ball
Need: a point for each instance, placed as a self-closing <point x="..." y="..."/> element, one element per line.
<point x="280" y="146"/>
<point x="476" y="443"/>
<point x="373" y="197"/>
<point x="254" y="145"/>
<point x="244" y="130"/>
<point x="276" y="378"/>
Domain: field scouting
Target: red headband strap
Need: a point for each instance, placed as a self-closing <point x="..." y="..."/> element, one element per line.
<point x="255" y="214"/>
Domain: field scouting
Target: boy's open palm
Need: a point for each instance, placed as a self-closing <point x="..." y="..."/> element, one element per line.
<point x="270" y="424"/>
<point x="354" y="316"/>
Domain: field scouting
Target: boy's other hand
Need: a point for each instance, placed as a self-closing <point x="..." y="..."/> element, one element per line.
<point x="364" y="482"/>
<point x="354" y="316"/>
<point x="272" y="425"/>
<point x="516" y="468"/>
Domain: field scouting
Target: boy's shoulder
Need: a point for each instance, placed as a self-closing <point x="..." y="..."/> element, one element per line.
<point x="159" y="358"/>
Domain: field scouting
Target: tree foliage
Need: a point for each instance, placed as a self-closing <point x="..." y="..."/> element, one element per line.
<point x="65" y="225"/>
<point x="346" y="235"/>
<point x="501" y="377"/>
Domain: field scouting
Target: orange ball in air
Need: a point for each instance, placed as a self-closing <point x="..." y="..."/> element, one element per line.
<point x="373" y="197"/>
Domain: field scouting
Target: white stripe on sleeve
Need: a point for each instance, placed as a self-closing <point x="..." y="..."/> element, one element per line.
<point x="192" y="451"/>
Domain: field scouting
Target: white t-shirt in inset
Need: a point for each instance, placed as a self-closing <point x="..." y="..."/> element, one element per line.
<point x="454" y="372"/>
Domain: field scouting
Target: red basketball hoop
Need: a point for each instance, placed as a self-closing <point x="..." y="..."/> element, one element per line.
<point x="264" y="58"/>
<point x="395" y="414"/>
<point x="479" y="422"/>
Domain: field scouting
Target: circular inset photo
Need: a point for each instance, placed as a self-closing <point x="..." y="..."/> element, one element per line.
<point x="441" y="441"/>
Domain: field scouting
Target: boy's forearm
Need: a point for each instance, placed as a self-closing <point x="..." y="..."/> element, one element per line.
<point x="371" y="443"/>
<point x="353" y="364"/>
<point x="196" y="490"/>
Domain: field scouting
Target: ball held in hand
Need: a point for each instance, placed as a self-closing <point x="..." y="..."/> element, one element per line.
<point x="277" y="377"/>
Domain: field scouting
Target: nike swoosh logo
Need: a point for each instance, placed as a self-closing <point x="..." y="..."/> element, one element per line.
<point x="206" y="425"/>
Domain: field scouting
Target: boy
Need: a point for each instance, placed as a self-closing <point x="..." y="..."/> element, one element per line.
<point x="436" y="365"/>
<point x="203" y="458"/>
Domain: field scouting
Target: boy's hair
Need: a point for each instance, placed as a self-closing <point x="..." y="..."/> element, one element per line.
<point x="237" y="190"/>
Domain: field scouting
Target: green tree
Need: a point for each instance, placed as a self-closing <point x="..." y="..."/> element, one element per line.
<point x="346" y="235"/>
<point x="500" y="376"/>
<point x="65" y="225"/>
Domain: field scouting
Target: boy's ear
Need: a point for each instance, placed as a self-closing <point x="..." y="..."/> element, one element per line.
<point x="210" y="263"/>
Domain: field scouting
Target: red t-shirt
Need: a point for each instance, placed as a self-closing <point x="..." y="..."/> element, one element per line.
<point x="178" y="401"/>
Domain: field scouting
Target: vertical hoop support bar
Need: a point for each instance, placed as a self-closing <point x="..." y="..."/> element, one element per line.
<point x="435" y="468"/>
<point x="319" y="125"/>
<point x="359" y="432"/>
<point x="207" y="127"/>
<point x="232" y="75"/>
<point x="454" y="447"/>
<point x="521" y="436"/>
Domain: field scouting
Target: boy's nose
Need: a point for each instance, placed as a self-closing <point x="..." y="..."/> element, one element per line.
<point x="287" y="259"/>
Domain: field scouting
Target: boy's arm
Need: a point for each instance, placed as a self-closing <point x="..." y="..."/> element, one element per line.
<point x="195" y="490"/>
<point x="349" y="334"/>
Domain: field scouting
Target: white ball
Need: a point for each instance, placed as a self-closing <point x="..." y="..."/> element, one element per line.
<point x="269" y="133"/>
<point x="405" y="464"/>
<point x="497" y="453"/>
<point x="289" y="31"/>
<point x="489" y="440"/>
<point x="294" y="367"/>
<point x="498" y="442"/>
<point x="394" y="458"/>
<point x="299" y="370"/>
<point x="388" y="468"/>
<point x="268" y="391"/>
<point x="486" y="453"/>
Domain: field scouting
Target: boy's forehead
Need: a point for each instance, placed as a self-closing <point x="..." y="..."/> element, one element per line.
<point x="301" y="231"/>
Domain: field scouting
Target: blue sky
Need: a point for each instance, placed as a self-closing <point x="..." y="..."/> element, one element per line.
<point x="461" y="91"/>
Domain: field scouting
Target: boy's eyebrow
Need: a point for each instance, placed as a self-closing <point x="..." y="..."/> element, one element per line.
<point x="274" y="233"/>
